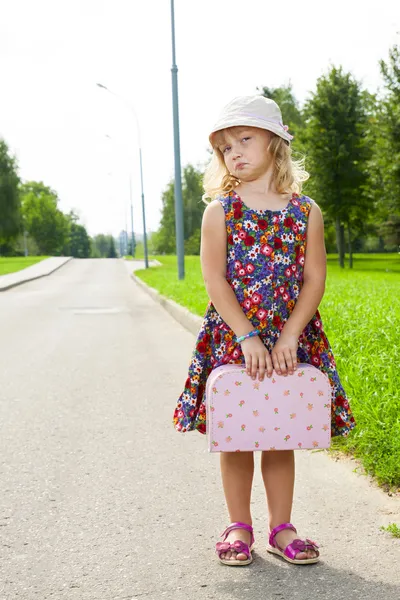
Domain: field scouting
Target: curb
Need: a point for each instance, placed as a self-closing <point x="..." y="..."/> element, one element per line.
<point x="14" y="284"/>
<point x="186" y="318"/>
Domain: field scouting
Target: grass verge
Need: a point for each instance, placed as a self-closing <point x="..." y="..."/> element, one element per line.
<point x="17" y="263"/>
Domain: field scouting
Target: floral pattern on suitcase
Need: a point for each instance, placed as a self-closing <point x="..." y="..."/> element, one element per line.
<point x="280" y="413"/>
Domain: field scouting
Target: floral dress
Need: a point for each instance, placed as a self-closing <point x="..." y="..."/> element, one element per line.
<point x="265" y="265"/>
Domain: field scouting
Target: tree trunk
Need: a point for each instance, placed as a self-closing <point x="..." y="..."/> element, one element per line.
<point x="340" y="241"/>
<point x="350" y="248"/>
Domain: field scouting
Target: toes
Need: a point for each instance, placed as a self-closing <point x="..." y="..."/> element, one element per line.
<point x="306" y="555"/>
<point x="241" y="556"/>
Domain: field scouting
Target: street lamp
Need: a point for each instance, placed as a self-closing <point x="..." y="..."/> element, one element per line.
<point x="180" y="249"/>
<point x="146" y="258"/>
<point x="126" y="226"/>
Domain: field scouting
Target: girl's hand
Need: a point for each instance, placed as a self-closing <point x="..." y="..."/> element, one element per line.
<point x="284" y="354"/>
<point x="257" y="358"/>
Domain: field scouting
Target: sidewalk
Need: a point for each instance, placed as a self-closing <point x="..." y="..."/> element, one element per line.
<point x="40" y="269"/>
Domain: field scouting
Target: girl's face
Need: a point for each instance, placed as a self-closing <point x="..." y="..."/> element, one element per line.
<point x="245" y="151"/>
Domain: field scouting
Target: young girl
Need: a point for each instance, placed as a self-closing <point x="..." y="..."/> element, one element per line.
<point x="259" y="276"/>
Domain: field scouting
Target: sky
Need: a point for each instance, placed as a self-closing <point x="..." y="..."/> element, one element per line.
<point x="83" y="141"/>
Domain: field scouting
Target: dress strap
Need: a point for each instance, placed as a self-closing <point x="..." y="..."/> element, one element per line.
<point x="226" y="201"/>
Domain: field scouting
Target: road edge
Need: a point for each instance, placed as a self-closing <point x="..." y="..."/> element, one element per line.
<point x="16" y="283"/>
<point x="181" y="314"/>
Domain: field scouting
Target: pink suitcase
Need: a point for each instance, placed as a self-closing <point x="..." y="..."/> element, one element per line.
<point x="279" y="413"/>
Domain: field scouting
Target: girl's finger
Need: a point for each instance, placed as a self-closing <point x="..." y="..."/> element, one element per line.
<point x="270" y="366"/>
<point x="261" y="368"/>
<point x="254" y="366"/>
<point x="247" y="358"/>
<point x="282" y="363"/>
<point x="289" y="361"/>
<point x="275" y="361"/>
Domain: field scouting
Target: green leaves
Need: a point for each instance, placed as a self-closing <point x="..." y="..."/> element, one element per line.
<point x="42" y="219"/>
<point x="10" y="222"/>
<point x="193" y="207"/>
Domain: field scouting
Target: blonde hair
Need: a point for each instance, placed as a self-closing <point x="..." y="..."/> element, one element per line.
<point x="288" y="174"/>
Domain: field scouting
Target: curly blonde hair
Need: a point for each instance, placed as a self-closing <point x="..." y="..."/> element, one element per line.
<point x="288" y="176"/>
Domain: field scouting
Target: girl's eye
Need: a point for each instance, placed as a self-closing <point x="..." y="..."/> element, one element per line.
<point x="245" y="139"/>
<point x="225" y="149"/>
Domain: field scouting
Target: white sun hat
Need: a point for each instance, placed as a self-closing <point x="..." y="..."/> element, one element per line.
<point x="252" y="111"/>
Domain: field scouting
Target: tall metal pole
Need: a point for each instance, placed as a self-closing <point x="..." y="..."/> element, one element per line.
<point x="126" y="234"/>
<point x="146" y="258"/>
<point x="180" y="250"/>
<point x="133" y="235"/>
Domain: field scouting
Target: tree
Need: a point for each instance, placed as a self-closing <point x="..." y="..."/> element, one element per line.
<point x="42" y="218"/>
<point x="337" y="150"/>
<point x="384" y="166"/>
<point x="289" y="105"/>
<point x="193" y="208"/>
<point x="78" y="243"/>
<point x="112" y="253"/>
<point x="192" y="245"/>
<point x="10" y="221"/>
<point x="102" y="246"/>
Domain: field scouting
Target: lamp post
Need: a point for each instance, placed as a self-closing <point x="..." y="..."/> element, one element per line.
<point x="180" y="249"/>
<point x="126" y="226"/>
<point x="130" y="107"/>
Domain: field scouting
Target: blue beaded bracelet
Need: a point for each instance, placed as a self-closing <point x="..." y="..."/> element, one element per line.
<point x="248" y="335"/>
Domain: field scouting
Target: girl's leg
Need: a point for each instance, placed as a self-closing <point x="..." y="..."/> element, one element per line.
<point x="278" y="472"/>
<point x="237" y="470"/>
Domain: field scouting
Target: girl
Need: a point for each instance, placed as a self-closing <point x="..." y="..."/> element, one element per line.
<point x="265" y="290"/>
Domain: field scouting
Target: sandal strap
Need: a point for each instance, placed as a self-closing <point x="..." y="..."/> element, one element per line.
<point x="297" y="546"/>
<point x="237" y="546"/>
<point x="279" y="528"/>
<point x="238" y="525"/>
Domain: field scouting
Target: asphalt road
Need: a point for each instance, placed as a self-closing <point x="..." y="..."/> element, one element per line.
<point x="101" y="499"/>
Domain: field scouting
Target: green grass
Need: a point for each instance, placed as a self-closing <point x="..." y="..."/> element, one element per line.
<point x="17" y="263"/>
<point x="393" y="529"/>
<point x="361" y="315"/>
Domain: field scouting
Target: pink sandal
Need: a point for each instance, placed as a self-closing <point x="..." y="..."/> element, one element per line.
<point x="237" y="546"/>
<point x="292" y="549"/>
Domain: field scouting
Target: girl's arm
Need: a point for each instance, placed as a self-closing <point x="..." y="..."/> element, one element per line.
<point x="213" y="264"/>
<point x="314" y="277"/>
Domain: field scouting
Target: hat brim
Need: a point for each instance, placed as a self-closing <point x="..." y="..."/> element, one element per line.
<point x="250" y="122"/>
